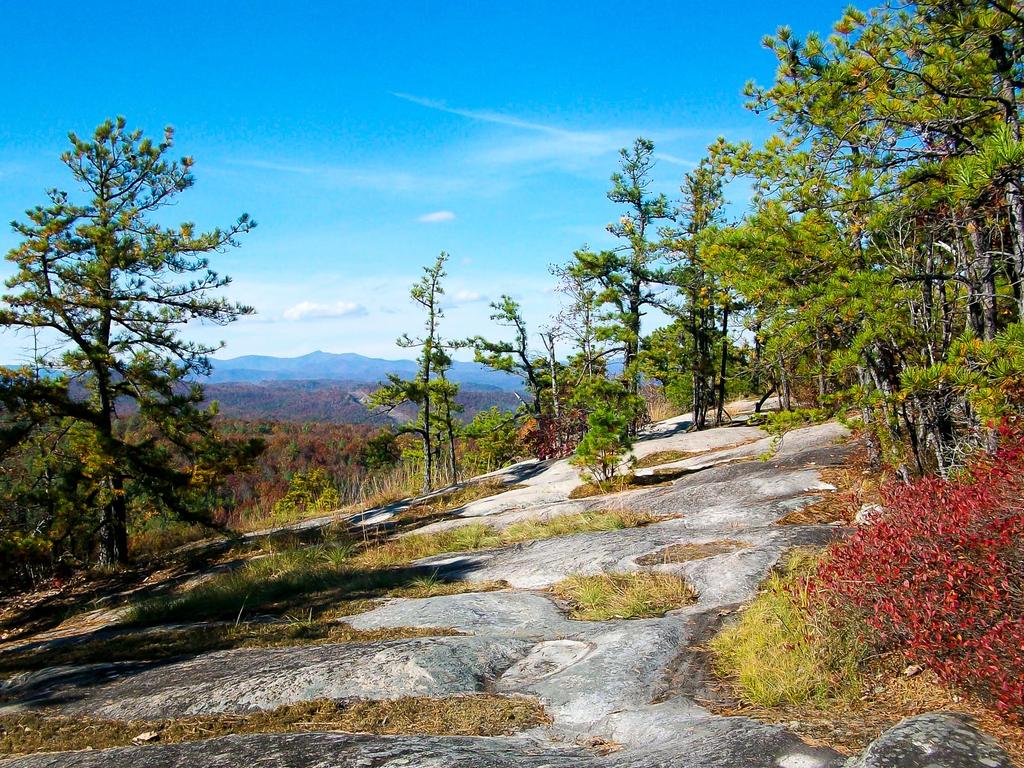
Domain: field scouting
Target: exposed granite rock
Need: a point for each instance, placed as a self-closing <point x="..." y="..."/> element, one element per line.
<point x="522" y="614"/>
<point x="620" y="681"/>
<point x="249" y="679"/>
<point x="935" y="740"/>
<point x="929" y="741"/>
<point x="323" y="750"/>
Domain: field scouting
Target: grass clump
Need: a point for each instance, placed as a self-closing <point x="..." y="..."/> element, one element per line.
<point x="438" y="504"/>
<point x="261" y="583"/>
<point x="658" y="458"/>
<point x="637" y="595"/>
<point x="476" y="536"/>
<point x="470" y="715"/>
<point x="629" y="482"/>
<point x="317" y="579"/>
<point x="684" y="553"/>
<point x="585" y="522"/>
<point x="341" y="575"/>
<point x="780" y="653"/>
<point x="405" y="549"/>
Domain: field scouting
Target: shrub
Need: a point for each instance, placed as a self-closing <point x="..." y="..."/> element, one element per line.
<point x="607" y="441"/>
<point x="940" y="575"/>
<point x="554" y="438"/>
<point x="493" y="440"/>
<point x="310" y="491"/>
<point x="24" y="557"/>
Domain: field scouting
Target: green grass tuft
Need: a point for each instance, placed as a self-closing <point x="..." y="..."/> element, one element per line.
<point x="636" y="595"/>
<point x="779" y="652"/>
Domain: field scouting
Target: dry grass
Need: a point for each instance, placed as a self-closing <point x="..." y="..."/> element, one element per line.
<point x="192" y="641"/>
<point x="856" y="484"/>
<point x="473" y="715"/>
<point x="663" y="457"/>
<point x="338" y="573"/>
<point x="585" y="522"/>
<point x="314" y="578"/>
<point x="683" y="553"/>
<point x="477" y="536"/>
<point x="637" y="595"/>
<point x="777" y="653"/>
<point x="628" y="483"/>
<point x="589" y="489"/>
<point x="156" y="542"/>
<point x="439" y="504"/>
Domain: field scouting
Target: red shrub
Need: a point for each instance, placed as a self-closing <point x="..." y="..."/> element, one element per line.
<point x="551" y="438"/>
<point x="940" y="575"/>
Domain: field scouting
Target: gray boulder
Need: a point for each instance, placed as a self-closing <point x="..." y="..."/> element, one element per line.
<point x="935" y="740"/>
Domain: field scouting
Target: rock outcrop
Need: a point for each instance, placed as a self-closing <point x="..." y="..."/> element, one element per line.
<point x="633" y="684"/>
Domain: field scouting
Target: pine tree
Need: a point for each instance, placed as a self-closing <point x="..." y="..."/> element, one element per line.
<point x="422" y="389"/>
<point x="628" y="275"/>
<point x="512" y="357"/>
<point x="109" y="289"/>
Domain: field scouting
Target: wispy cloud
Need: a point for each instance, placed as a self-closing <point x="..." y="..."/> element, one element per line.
<point x="467" y="297"/>
<point x="484" y="115"/>
<point x="311" y="310"/>
<point x="436" y="217"/>
<point x="377" y="179"/>
<point x="550" y="143"/>
<point x="675" y="160"/>
<point x="540" y="145"/>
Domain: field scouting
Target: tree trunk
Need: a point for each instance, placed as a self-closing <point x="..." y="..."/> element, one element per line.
<point x="695" y="367"/>
<point x="1004" y="67"/>
<point x="450" y="429"/>
<point x="428" y="456"/>
<point x="725" y="358"/>
<point x="114" y="532"/>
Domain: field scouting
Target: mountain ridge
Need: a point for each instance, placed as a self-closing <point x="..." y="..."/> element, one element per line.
<point x="348" y="367"/>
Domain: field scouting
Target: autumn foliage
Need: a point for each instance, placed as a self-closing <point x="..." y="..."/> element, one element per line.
<point x="940" y="575"/>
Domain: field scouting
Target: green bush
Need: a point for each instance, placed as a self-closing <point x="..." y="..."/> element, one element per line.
<point x="310" y="491"/>
<point x="22" y="557"/>
<point x="493" y="440"/>
<point x="602" y="450"/>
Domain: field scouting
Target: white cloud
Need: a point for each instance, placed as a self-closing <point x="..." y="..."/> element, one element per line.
<point x="467" y="297"/>
<point x="674" y="160"/>
<point x="545" y="145"/>
<point x="378" y="179"/>
<point x="436" y="217"/>
<point x="311" y="310"/>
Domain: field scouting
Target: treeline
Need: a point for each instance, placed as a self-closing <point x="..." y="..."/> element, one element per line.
<point x="879" y="269"/>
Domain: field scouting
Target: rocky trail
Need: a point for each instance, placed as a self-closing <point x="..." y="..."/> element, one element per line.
<point x="619" y="693"/>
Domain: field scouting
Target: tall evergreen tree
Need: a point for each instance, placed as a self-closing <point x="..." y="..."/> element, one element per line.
<point x="512" y="356"/>
<point x="628" y="275"/>
<point x="421" y="390"/>
<point x="109" y="289"/>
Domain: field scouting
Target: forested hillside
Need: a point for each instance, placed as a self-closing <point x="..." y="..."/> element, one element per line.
<point x="336" y="402"/>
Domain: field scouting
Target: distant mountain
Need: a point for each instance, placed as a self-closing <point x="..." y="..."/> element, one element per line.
<point x="334" y="388"/>
<point x="336" y="402"/>
<point x="350" y="367"/>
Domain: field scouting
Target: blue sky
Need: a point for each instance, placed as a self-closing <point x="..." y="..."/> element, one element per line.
<point x="366" y="137"/>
